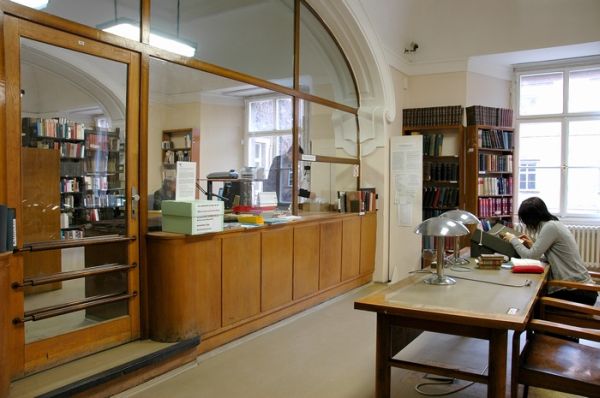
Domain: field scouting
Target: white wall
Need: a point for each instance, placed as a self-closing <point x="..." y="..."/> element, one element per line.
<point x="436" y="90"/>
<point x="488" y="91"/>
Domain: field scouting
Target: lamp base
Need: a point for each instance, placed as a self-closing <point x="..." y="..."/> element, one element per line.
<point x="439" y="280"/>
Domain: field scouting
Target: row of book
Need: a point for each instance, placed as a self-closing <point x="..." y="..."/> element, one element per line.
<point x="365" y="199"/>
<point x="489" y="116"/>
<point x="495" y="207"/>
<point x="101" y="141"/>
<point x="433" y="116"/>
<point x="72" y="234"/>
<point x="69" y="185"/>
<point x="432" y="144"/>
<point x="103" y="200"/>
<point x="441" y="197"/>
<point x="58" y="127"/>
<point x="71" y="169"/>
<point x="440" y="171"/>
<point x="495" y="185"/>
<point x="101" y="164"/>
<point x="495" y="163"/>
<point x="495" y="139"/>
<point x="8" y="228"/>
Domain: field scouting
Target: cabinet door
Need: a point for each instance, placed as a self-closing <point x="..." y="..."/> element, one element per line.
<point x="350" y="247"/>
<point x="241" y="277"/>
<point x="330" y="268"/>
<point x="277" y="261"/>
<point x="306" y="260"/>
<point x="368" y="235"/>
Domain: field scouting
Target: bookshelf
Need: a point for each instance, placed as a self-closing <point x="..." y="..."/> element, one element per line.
<point x="180" y="145"/>
<point x="442" y="167"/>
<point x="490" y="173"/>
<point x="91" y="174"/>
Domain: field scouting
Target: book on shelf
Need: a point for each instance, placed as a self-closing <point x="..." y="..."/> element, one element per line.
<point x="489" y="116"/>
<point x="8" y="228"/>
<point x="357" y="201"/>
<point x="433" y="116"/>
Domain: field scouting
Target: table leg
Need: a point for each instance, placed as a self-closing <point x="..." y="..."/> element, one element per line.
<point x="497" y="364"/>
<point x="383" y="371"/>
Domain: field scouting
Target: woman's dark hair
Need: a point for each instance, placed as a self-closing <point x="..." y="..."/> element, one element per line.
<point x="533" y="211"/>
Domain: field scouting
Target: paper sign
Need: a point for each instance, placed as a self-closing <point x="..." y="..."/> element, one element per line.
<point x="185" y="188"/>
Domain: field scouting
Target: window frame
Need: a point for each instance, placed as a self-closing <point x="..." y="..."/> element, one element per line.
<point x="565" y="117"/>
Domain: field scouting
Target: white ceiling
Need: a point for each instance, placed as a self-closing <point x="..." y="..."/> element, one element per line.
<point x="483" y="35"/>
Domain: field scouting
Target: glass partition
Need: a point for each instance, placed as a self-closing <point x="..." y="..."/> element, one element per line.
<point x="121" y="17"/>
<point x="329" y="132"/>
<point x="324" y="71"/>
<point x="329" y="183"/>
<point x="255" y="37"/>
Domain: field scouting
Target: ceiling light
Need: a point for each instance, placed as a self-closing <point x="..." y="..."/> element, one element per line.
<point x="129" y="29"/>
<point x="37" y="4"/>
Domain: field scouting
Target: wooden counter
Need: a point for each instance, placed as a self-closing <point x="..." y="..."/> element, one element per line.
<point x="5" y="323"/>
<point x="224" y="285"/>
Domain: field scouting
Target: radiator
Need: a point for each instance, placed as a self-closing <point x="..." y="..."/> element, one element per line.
<point x="588" y="240"/>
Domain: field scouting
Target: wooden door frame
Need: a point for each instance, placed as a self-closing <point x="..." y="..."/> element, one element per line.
<point x="27" y="358"/>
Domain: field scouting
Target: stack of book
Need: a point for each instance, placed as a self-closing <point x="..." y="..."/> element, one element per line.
<point x="433" y="116"/>
<point x="8" y="229"/>
<point x="490" y="261"/>
<point x="357" y="201"/>
<point x="489" y="116"/>
<point x="192" y="217"/>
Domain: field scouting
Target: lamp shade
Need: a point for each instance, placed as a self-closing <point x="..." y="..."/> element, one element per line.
<point x="461" y="216"/>
<point x="441" y="226"/>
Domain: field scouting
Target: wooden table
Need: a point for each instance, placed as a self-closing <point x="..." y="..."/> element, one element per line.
<point x="483" y="310"/>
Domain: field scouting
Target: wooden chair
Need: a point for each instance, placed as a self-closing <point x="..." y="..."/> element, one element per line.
<point x="555" y="363"/>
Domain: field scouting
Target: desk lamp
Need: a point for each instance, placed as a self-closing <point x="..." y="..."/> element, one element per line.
<point x="466" y="218"/>
<point x="440" y="227"/>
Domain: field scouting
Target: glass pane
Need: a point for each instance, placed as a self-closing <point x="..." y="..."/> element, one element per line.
<point x="101" y="14"/>
<point x="584" y="141"/>
<point x="540" y="142"/>
<point x="583" y="193"/>
<point x="584" y="86"/>
<point x="326" y="181"/>
<point x="324" y="71"/>
<point x="253" y="37"/>
<point x="280" y="175"/>
<point x="285" y="114"/>
<point x="37" y="297"/>
<point x="329" y="132"/>
<point x="73" y="153"/>
<point x="541" y="94"/>
<point x="222" y="111"/>
<point x="262" y="116"/>
<point x="547" y="187"/>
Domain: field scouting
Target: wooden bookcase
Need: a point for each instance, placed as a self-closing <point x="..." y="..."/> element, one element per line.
<point x="443" y="167"/>
<point x="180" y="144"/>
<point x="490" y="173"/>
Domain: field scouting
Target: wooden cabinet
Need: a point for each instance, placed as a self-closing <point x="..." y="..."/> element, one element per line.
<point x="277" y="267"/>
<point x="443" y="168"/>
<point x="241" y="277"/>
<point x="330" y="270"/>
<point x="368" y="241"/>
<point x="180" y="145"/>
<point x="351" y="247"/>
<point x="224" y="285"/>
<point x="306" y="260"/>
<point x="490" y="175"/>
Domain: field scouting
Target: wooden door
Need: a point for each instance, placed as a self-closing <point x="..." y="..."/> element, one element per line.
<point x="79" y="235"/>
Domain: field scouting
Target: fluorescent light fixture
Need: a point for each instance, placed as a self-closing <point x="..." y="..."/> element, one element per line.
<point x="129" y="29"/>
<point x="37" y="4"/>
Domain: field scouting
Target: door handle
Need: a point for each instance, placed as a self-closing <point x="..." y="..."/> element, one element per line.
<point x="135" y="200"/>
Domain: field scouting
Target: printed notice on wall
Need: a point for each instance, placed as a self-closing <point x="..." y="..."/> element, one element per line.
<point x="406" y="165"/>
<point x="185" y="188"/>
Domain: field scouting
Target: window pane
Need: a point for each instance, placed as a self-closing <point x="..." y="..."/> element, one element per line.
<point x="99" y="13"/>
<point x="541" y="94"/>
<point x="262" y="116"/>
<point x="253" y="37"/>
<point x="584" y="142"/>
<point x="540" y="141"/>
<point x="584" y="89"/>
<point x="284" y="114"/>
<point x="547" y="188"/>
<point x="583" y="194"/>
<point x="323" y="68"/>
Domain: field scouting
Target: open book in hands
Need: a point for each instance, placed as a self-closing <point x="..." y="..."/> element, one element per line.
<point x="527" y="265"/>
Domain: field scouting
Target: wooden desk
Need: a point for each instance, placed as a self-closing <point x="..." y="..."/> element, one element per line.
<point x="468" y="308"/>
